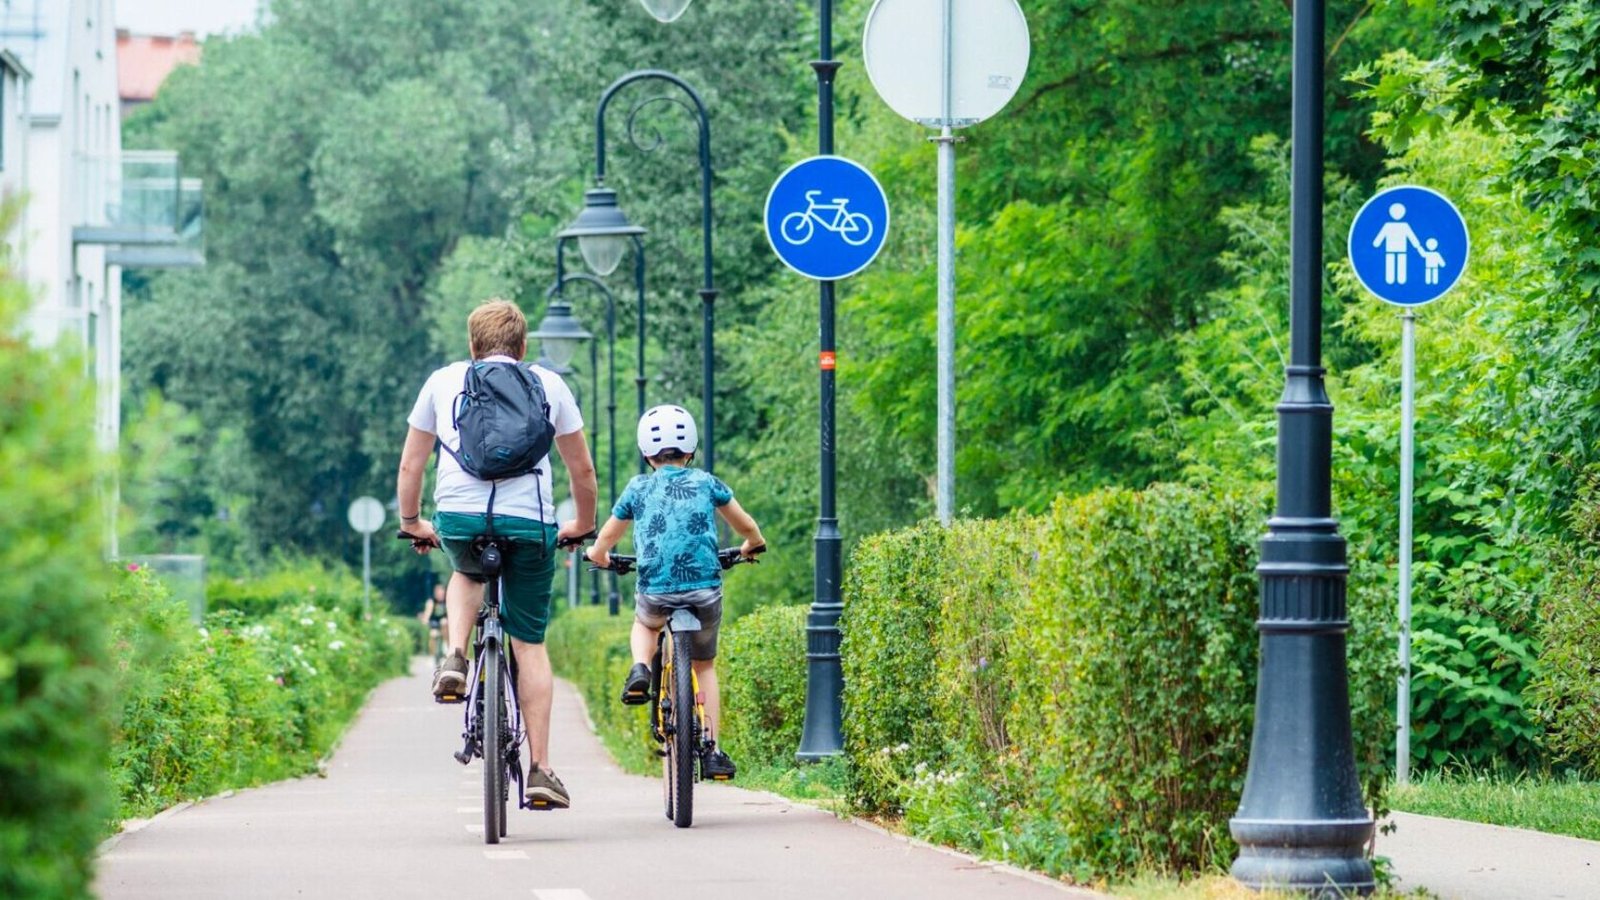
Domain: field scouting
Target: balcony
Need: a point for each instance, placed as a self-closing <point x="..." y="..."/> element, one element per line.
<point x="155" y="217"/>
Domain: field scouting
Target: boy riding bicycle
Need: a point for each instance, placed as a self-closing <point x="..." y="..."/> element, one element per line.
<point x="676" y="541"/>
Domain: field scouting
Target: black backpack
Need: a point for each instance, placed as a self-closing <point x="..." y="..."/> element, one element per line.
<point x="503" y="418"/>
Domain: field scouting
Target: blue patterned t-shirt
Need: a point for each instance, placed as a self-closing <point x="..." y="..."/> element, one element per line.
<point x="674" y="528"/>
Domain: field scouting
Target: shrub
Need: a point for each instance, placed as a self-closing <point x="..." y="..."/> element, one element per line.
<point x="290" y="582"/>
<point x="761" y="666"/>
<point x="243" y="700"/>
<point x="1075" y="692"/>
<point x="54" y="702"/>
<point x="1566" y="691"/>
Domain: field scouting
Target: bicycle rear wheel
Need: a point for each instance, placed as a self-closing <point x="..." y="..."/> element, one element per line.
<point x="683" y="740"/>
<point x="494" y="758"/>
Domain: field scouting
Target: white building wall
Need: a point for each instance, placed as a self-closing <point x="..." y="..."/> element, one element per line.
<point x="73" y="161"/>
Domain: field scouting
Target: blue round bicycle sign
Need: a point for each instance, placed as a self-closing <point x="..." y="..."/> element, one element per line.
<point x="1409" y="245"/>
<point x="827" y="217"/>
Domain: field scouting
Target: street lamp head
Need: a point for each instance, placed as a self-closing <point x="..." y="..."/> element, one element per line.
<point x="559" y="334"/>
<point x="665" y="10"/>
<point x="602" y="231"/>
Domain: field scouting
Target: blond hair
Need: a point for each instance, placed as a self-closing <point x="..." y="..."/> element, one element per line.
<point x="497" y="327"/>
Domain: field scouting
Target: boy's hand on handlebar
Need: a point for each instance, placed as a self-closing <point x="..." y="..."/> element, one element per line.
<point x="750" y="549"/>
<point x="601" y="558"/>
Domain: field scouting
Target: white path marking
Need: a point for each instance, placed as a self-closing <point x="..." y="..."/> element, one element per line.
<point x="559" y="894"/>
<point x="475" y="829"/>
<point x="505" y="854"/>
<point x="469" y="809"/>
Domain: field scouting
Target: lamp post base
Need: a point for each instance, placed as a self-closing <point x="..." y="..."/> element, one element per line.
<point x="1320" y="858"/>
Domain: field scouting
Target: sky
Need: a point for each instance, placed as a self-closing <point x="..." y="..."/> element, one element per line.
<point x="172" y="16"/>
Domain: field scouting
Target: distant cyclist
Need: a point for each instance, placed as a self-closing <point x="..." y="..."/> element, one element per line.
<point x="524" y="513"/>
<point x="673" y="510"/>
<point x="433" y="617"/>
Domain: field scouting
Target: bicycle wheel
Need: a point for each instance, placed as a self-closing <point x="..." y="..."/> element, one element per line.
<point x="494" y="759"/>
<point x="796" y="228"/>
<point x="856" y="230"/>
<point x="683" y="740"/>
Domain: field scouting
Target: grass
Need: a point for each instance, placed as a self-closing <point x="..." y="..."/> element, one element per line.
<point x="1557" y="804"/>
<point x="1218" y="887"/>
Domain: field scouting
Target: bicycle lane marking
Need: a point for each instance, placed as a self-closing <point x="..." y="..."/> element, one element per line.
<point x="505" y="854"/>
<point x="559" y="894"/>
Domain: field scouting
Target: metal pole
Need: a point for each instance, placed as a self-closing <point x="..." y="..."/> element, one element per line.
<point x="594" y="430"/>
<point x="366" y="575"/>
<point x="946" y="492"/>
<point x="638" y="281"/>
<point x="1301" y="822"/>
<point x="821" y="736"/>
<point x="1408" y="389"/>
<point x="613" y="600"/>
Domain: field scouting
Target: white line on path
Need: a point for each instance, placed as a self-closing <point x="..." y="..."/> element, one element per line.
<point x="469" y="809"/>
<point x="559" y="894"/>
<point x="505" y="854"/>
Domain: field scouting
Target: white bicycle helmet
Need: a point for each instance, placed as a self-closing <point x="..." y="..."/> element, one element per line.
<point x="667" y="427"/>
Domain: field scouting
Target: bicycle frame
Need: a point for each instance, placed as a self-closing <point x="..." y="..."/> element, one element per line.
<point x="487" y="629"/>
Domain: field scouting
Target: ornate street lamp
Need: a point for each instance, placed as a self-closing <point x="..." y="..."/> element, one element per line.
<point x="607" y="229"/>
<point x="559" y="334"/>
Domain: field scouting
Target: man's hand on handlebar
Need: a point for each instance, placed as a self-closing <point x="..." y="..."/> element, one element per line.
<point x="421" y="535"/>
<point x="572" y="534"/>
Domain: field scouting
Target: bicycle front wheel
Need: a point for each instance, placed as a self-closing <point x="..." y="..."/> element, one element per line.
<point x="494" y="758"/>
<point x="683" y="740"/>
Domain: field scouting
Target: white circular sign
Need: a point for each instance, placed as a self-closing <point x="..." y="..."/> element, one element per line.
<point x="365" y="514"/>
<point x="566" y="510"/>
<point x="905" y="54"/>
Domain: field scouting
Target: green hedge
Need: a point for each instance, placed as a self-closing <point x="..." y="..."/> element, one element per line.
<point x="1074" y="692"/>
<point x="241" y="700"/>
<point x="287" y="583"/>
<point x="54" y="683"/>
<point x="760" y="665"/>
<point x="1565" y="692"/>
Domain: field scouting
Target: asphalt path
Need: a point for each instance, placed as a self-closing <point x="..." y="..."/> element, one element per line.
<point x="1458" y="860"/>
<point x="395" y="816"/>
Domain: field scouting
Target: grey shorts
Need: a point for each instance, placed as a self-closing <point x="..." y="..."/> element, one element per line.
<point x="654" y="609"/>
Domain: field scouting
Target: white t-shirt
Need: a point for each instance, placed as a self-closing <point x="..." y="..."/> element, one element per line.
<point x="527" y="496"/>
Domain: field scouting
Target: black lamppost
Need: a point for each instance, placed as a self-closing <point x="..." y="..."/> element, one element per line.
<point x="821" y="736"/>
<point x="559" y="334"/>
<point x="603" y="233"/>
<point x="605" y="227"/>
<point x="1301" y="822"/>
<point x="558" y="289"/>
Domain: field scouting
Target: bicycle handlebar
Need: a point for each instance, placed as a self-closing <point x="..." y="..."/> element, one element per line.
<point x="417" y="543"/>
<point x="727" y="558"/>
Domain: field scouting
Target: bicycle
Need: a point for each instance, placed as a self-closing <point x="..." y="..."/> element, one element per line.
<point x="798" y="228"/>
<point x="492" y="721"/>
<point x="677" y="719"/>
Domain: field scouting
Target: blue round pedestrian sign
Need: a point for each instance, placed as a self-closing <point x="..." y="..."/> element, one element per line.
<point x="1409" y="245"/>
<point x="827" y="217"/>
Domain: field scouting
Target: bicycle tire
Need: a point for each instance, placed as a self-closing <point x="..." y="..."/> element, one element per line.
<point x="803" y="226"/>
<point x="684" y="739"/>
<point x="863" y="227"/>
<point x="494" y="760"/>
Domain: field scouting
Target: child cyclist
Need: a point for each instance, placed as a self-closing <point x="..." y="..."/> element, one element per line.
<point x="676" y="540"/>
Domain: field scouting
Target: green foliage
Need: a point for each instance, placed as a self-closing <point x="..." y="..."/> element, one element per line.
<point x="243" y="700"/>
<point x="589" y="647"/>
<point x="1566" y="690"/>
<point x="1074" y="693"/>
<point x="290" y="582"/>
<point x="54" y="697"/>
<point x="1556" y="803"/>
<point x="761" y="670"/>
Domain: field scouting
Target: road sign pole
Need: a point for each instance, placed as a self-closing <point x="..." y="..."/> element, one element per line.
<point x="1408" y="386"/>
<point x="821" y="735"/>
<point x="946" y="497"/>
<point x="1301" y="822"/>
<point x="366" y="575"/>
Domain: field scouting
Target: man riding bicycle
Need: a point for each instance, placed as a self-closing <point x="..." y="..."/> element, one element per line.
<point x="523" y="519"/>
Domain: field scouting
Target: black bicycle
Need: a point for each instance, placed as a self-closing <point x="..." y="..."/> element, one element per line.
<point x="492" y="723"/>
<point x="677" y="719"/>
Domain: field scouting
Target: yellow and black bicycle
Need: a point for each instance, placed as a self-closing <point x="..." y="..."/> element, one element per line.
<point x="677" y="718"/>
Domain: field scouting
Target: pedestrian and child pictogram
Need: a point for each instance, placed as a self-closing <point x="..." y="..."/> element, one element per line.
<point x="1409" y="245"/>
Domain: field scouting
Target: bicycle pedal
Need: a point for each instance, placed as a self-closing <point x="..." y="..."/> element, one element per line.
<point x="722" y="778"/>
<point x="660" y="753"/>
<point x="449" y="698"/>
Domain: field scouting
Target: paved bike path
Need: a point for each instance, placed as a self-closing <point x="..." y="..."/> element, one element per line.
<point x="396" y="816"/>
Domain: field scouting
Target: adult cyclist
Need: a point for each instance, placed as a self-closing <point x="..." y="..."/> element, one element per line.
<point x="524" y="514"/>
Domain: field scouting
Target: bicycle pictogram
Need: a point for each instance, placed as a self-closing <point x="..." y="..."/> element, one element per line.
<point x="798" y="228"/>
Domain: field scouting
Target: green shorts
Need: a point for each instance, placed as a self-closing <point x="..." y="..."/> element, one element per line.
<point x="529" y="566"/>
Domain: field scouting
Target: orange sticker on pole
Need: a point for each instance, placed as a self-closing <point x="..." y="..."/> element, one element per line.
<point x="828" y="360"/>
